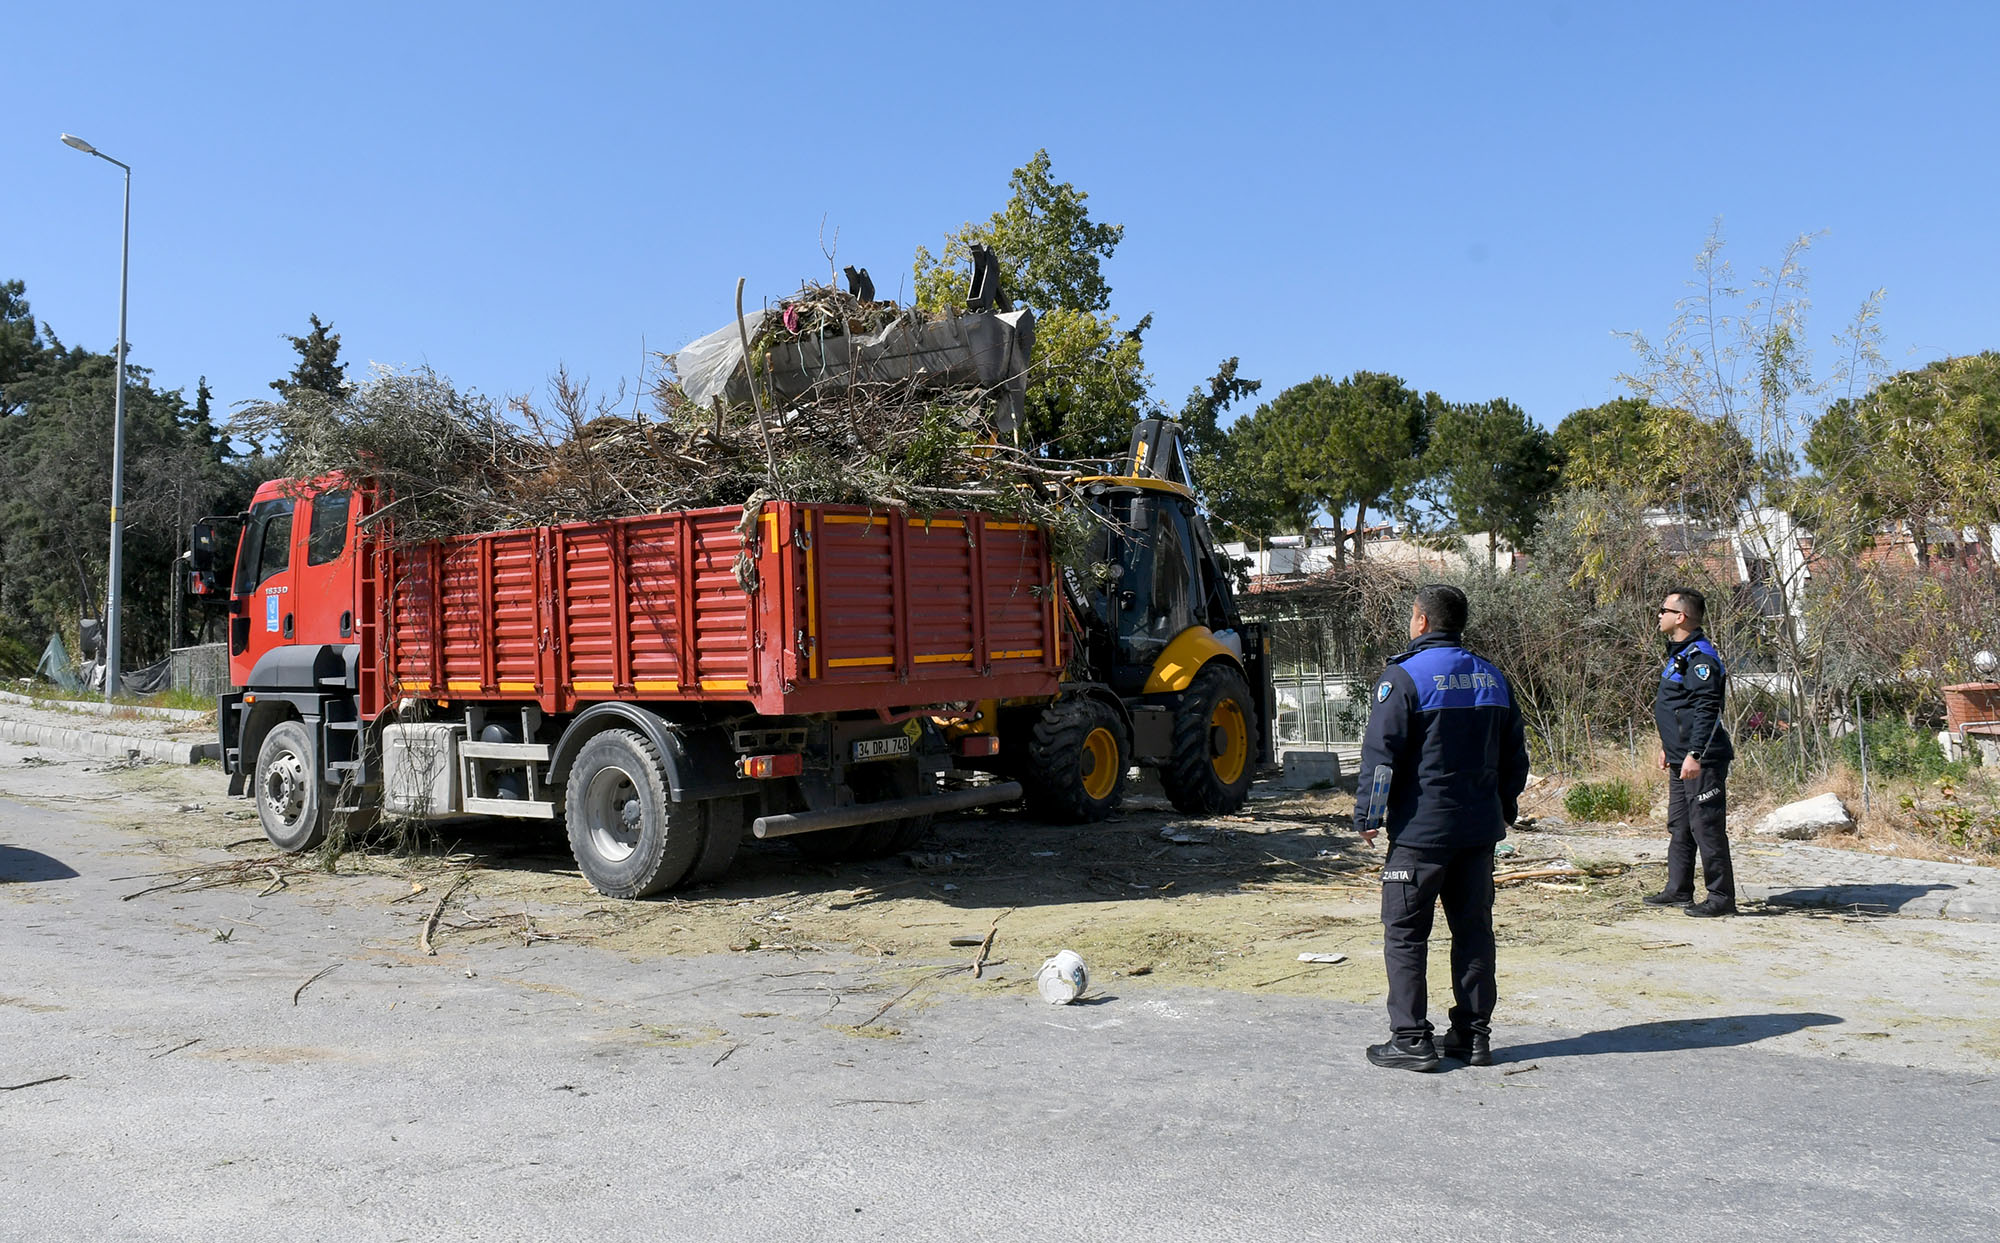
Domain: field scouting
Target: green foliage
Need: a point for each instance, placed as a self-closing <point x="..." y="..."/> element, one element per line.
<point x="1604" y="446"/>
<point x="17" y="659"/>
<point x="1898" y="749"/>
<point x="319" y="369"/>
<point x="1356" y="443"/>
<point x="21" y="344"/>
<point x="1920" y="448"/>
<point x="1495" y="468"/>
<point x="1201" y="414"/>
<point x="1600" y="800"/>
<point x="1089" y="384"/>
<point x="1050" y="251"/>
<point x="55" y="453"/>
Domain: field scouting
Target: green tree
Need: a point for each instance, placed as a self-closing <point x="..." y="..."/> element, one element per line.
<point x="1356" y="444"/>
<point x="1201" y="414"/>
<point x="1089" y="383"/>
<point x="55" y="453"/>
<point x="1604" y="446"/>
<point x="319" y="369"/>
<point x="1495" y="468"/>
<point x="1051" y="252"/>
<point x="1921" y="448"/>
<point x="21" y="344"/>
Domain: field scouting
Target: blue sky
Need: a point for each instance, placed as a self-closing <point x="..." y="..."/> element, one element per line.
<point x="1472" y="196"/>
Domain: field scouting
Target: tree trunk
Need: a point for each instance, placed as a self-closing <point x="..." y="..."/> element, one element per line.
<point x="1360" y="530"/>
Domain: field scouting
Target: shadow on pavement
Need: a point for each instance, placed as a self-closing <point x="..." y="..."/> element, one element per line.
<point x="22" y="866"/>
<point x="1668" y="1035"/>
<point x="1870" y="899"/>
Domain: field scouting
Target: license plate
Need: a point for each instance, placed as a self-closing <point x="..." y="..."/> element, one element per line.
<point x="881" y="748"/>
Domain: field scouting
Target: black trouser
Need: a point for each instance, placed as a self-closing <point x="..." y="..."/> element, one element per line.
<point x="1413" y="882"/>
<point x="1696" y="814"/>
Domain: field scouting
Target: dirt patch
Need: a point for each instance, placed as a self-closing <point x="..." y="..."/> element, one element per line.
<point x="1151" y="900"/>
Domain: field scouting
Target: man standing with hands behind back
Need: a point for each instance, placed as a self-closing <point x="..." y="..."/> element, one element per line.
<point x="1445" y="723"/>
<point x="1695" y="751"/>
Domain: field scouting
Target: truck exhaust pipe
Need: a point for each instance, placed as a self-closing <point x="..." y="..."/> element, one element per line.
<point x="790" y="823"/>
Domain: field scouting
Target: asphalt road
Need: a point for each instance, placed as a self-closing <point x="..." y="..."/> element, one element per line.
<point x="559" y="1092"/>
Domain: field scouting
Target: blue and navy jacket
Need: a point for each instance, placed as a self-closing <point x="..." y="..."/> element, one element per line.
<point x="1688" y="707"/>
<point x="1446" y="722"/>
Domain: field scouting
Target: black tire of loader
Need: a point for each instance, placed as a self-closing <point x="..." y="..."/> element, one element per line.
<point x="1057" y="749"/>
<point x="1192" y="783"/>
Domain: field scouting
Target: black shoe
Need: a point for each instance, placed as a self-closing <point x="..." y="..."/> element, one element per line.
<point x="1472" y="1048"/>
<point x="1668" y="899"/>
<point x="1712" y="906"/>
<point x="1404" y="1053"/>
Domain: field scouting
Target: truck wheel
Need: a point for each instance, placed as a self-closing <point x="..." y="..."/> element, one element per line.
<point x="293" y="803"/>
<point x="1077" y="756"/>
<point x="1215" y="734"/>
<point x="629" y="837"/>
<point x="721" y="834"/>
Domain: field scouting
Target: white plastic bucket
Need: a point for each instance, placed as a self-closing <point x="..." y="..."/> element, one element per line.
<point x="1063" y="978"/>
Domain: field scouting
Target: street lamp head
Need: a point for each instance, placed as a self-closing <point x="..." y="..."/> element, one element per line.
<point x="73" y="141"/>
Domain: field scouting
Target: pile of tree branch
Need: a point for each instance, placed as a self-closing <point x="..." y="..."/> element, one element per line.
<point x="452" y="462"/>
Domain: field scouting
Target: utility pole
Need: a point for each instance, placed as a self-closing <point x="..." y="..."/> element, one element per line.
<point x="115" y="596"/>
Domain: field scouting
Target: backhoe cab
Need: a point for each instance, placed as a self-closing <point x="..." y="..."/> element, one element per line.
<point x="1162" y="671"/>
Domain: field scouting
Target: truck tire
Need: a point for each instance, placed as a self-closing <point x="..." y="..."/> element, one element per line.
<point x="1215" y="734"/>
<point x="629" y="837"/>
<point x="294" y="805"/>
<point x="1077" y="754"/>
<point x="721" y="833"/>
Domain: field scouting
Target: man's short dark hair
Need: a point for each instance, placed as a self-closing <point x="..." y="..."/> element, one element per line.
<point x="1694" y="605"/>
<point x="1444" y="605"/>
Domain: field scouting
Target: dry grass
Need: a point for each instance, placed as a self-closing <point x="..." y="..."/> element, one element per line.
<point x="1882" y="825"/>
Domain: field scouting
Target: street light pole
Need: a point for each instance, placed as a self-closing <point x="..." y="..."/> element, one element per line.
<point x="114" y="597"/>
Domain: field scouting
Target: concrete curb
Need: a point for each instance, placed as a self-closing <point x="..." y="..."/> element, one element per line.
<point x="109" y="746"/>
<point x="101" y="708"/>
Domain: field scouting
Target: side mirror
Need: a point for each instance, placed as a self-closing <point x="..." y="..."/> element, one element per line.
<point x="214" y="547"/>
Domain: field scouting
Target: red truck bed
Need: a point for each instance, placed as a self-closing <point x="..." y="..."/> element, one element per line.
<point x="852" y="609"/>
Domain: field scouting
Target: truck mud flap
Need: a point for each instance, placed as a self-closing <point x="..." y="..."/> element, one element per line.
<point x="787" y="824"/>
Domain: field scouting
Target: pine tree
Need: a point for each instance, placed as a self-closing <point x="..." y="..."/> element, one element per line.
<point x="320" y="369"/>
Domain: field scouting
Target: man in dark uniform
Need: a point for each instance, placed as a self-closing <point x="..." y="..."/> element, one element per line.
<point x="1695" y="751"/>
<point x="1446" y="724"/>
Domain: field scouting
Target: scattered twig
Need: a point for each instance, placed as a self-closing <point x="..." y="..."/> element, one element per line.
<point x="33" y="1083"/>
<point x="725" y="1056"/>
<point x="309" y="983"/>
<point x="431" y="920"/>
<point x="986" y="946"/>
<point x="153" y="1057"/>
<point x="1522" y="1070"/>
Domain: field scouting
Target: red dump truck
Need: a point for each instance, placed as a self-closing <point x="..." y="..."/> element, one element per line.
<point x="657" y="683"/>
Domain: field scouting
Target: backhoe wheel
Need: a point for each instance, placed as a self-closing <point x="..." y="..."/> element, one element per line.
<point x="629" y="837"/>
<point x="293" y="803"/>
<point x="722" y="828"/>
<point x="1077" y="755"/>
<point x="1215" y="734"/>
